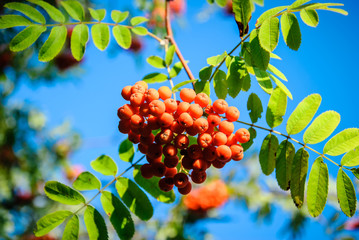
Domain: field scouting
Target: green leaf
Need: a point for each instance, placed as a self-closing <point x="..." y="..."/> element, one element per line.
<point x="126" y="151"/>
<point x="181" y="84"/>
<point x="263" y="80"/>
<point x="138" y="20"/>
<point x="134" y="198"/>
<point x="53" y="45"/>
<point x="86" y="181"/>
<point x="267" y="154"/>
<point x="254" y="105"/>
<point x="276" y="108"/>
<point x="118" y="16"/>
<point x="274" y="56"/>
<point x="268" y="14"/>
<point x="27" y="10"/>
<point x="321" y="127"/>
<point x="74" y="9"/>
<point x="275" y="71"/>
<point x="310" y="17"/>
<point x="155" y="78"/>
<point x="98" y="14"/>
<point x="298" y="3"/>
<point x="246" y="83"/>
<point x="169" y="55"/>
<point x="351" y="159"/>
<point x="63" y="194"/>
<point x="303" y="114"/>
<point x="343" y="142"/>
<point x="141" y="31"/>
<point x="285" y="156"/>
<point x="79" y="39"/>
<point x="202" y="86"/>
<point x="105" y="165"/>
<point x="101" y="35"/>
<point x="291" y="30"/>
<point x="176" y="69"/>
<point x="205" y="73"/>
<point x="10" y="21"/>
<point x="242" y="11"/>
<point x="236" y="74"/>
<point x="299" y="174"/>
<point x="355" y="172"/>
<point x="346" y="193"/>
<point x="151" y="186"/>
<point x="120" y="217"/>
<point x="337" y="10"/>
<point x="26" y="38"/>
<point x="50" y="221"/>
<point x="216" y="60"/>
<point x="95" y="224"/>
<point x="220" y="84"/>
<point x="259" y="2"/>
<point x="72" y="229"/>
<point x="122" y="36"/>
<point x="269" y="34"/>
<point x="253" y="135"/>
<point x="156" y="61"/>
<point x="281" y="86"/>
<point x="317" y="191"/>
<point x="53" y="12"/>
<point x="221" y="3"/>
<point x="260" y="57"/>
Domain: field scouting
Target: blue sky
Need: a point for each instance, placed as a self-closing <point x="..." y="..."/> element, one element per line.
<point x="326" y="63"/>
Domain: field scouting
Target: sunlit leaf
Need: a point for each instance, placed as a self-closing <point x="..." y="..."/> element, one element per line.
<point x="346" y="193"/>
<point x="276" y="109"/>
<point x="351" y="159"/>
<point x="263" y="80"/>
<point x="86" y="181"/>
<point x="53" y="45"/>
<point x="156" y="61"/>
<point x="126" y="151"/>
<point x="267" y="154"/>
<point x="155" y="78"/>
<point x="95" y="224"/>
<point x="269" y="34"/>
<point x="72" y="229"/>
<point x="26" y="38"/>
<point x="61" y="193"/>
<point x="122" y="36"/>
<point x="343" y="142"/>
<point x="79" y="39"/>
<point x="74" y="9"/>
<point x="138" y="20"/>
<point x="50" y="221"/>
<point x="105" y="165"/>
<point x="284" y="159"/>
<point x="310" y="17"/>
<point x="100" y="35"/>
<point x="53" y="12"/>
<point x="291" y="31"/>
<point x="9" y="21"/>
<point x="220" y="84"/>
<point x="269" y="13"/>
<point x="260" y="57"/>
<point x="118" y="16"/>
<point x="254" y="105"/>
<point x="299" y="174"/>
<point x="27" y="10"/>
<point x="98" y="14"/>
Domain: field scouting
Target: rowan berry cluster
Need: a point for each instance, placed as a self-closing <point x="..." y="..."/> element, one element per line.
<point x="169" y="152"/>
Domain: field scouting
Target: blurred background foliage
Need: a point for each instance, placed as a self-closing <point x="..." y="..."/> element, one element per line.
<point x="31" y="153"/>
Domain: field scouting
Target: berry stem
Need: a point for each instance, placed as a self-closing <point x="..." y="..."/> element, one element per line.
<point x="294" y="140"/>
<point x="168" y="71"/>
<point x="108" y="184"/>
<point x="172" y="40"/>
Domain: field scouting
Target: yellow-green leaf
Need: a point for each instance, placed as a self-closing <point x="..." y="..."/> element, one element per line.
<point x="74" y="9"/>
<point x="269" y="34"/>
<point x="285" y="155"/>
<point x="26" y="38"/>
<point x="291" y="30"/>
<point x="346" y="193"/>
<point x="309" y="17"/>
<point x="101" y="35"/>
<point x="351" y="159"/>
<point x="277" y="107"/>
<point x="53" y="44"/>
<point x="79" y="39"/>
<point x="343" y="142"/>
<point x="53" y="12"/>
<point x="27" y="10"/>
<point x="45" y="224"/>
<point x="267" y="154"/>
<point x="122" y="36"/>
<point x="299" y="174"/>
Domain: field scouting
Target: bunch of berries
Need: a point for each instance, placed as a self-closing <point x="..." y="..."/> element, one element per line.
<point x="169" y="152"/>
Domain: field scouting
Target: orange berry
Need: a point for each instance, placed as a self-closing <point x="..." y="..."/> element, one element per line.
<point x="165" y="136"/>
<point x="191" y="131"/>
<point x="209" y="109"/>
<point x="143" y="83"/>
<point x="209" y="153"/>
<point x="154" y="150"/>
<point x="243" y="135"/>
<point x="195" y="151"/>
<point x="159" y="169"/>
<point x="218" y="164"/>
<point x="220" y="106"/>
<point x="135" y="129"/>
<point x="157" y="107"/>
<point x="237" y="152"/>
<point x="166" y="184"/>
<point x="152" y="122"/>
<point x="185" y="120"/>
<point x="171" y="162"/>
<point x="219" y="139"/>
<point x="137" y="121"/>
<point x="153" y="160"/>
<point x="137" y="99"/>
<point x="200" y="125"/>
<point x="126" y="111"/>
<point x="223" y="153"/>
<point x="210" y="129"/>
<point x="145" y="109"/>
<point x="169" y="150"/>
<point x="202" y="99"/>
<point x="187" y="95"/>
<point x="232" y="114"/>
<point x="138" y="88"/>
<point x="187" y="162"/>
<point x="142" y="148"/>
<point x="146" y="171"/>
<point x="213" y="119"/>
<point x="133" y="137"/>
<point x="171" y="172"/>
<point x="165" y="119"/>
<point x="126" y="93"/>
<point x="204" y="140"/>
<point x="165" y="92"/>
<point x="181" y="141"/>
<point x="147" y="140"/>
<point x="152" y="94"/>
<point x="226" y="127"/>
<point x="171" y="105"/>
<point x="185" y="190"/>
<point x="182" y="107"/>
<point x="145" y="130"/>
<point x="198" y="176"/>
<point x="199" y="165"/>
<point x="195" y="110"/>
<point x="231" y="139"/>
<point x="124" y="126"/>
<point x="180" y="180"/>
<point x="176" y="127"/>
